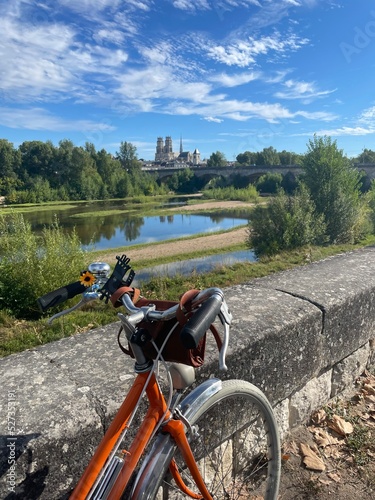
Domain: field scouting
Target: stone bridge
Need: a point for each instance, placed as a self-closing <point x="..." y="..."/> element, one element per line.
<point x="252" y="172"/>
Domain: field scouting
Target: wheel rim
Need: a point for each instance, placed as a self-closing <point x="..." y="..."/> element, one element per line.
<point x="237" y="458"/>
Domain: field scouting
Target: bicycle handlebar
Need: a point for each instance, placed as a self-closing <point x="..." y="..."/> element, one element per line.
<point x="212" y="304"/>
<point x="207" y="305"/>
<point x="200" y="322"/>
<point x="60" y="295"/>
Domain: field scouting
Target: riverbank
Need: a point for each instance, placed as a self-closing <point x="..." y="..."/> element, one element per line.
<point x="181" y="247"/>
<point x="185" y="246"/>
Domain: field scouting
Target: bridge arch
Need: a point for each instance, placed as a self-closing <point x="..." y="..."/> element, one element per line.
<point x="252" y="172"/>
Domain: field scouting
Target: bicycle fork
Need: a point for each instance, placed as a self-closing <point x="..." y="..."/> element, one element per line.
<point x="176" y="429"/>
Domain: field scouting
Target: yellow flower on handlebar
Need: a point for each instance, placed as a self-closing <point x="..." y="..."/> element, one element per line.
<point x="87" y="279"/>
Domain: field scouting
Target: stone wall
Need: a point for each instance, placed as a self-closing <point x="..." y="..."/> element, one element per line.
<point x="302" y="336"/>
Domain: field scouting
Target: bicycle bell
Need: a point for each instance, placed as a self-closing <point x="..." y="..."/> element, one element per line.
<point x="99" y="269"/>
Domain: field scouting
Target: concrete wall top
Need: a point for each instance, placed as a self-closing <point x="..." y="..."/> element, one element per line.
<point x="287" y="329"/>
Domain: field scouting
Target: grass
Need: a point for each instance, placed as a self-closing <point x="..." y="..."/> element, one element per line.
<point x="225" y="276"/>
<point x="29" y="208"/>
<point x="65" y="205"/>
<point x="18" y="335"/>
<point x="102" y="213"/>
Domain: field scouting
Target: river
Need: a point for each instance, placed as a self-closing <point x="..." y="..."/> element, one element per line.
<point x="105" y="225"/>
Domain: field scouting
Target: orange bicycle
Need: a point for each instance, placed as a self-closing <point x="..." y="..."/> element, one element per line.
<point x="220" y="441"/>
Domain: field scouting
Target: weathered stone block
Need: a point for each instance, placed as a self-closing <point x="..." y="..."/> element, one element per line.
<point x="281" y="412"/>
<point x="345" y="373"/>
<point x="311" y="397"/>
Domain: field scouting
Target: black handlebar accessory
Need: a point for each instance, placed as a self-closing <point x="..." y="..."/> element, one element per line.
<point x="200" y="322"/>
<point x="60" y="295"/>
<point x="118" y="278"/>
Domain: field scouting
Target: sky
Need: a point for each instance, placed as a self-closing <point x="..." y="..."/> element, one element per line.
<point x="225" y="75"/>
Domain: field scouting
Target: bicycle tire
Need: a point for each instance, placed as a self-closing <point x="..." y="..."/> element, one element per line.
<point x="239" y="459"/>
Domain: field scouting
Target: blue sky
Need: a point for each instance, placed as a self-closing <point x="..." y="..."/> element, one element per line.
<point x="226" y="75"/>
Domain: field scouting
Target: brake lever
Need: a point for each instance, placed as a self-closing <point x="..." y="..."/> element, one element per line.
<point x="87" y="297"/>
<point x="225" y="317"/>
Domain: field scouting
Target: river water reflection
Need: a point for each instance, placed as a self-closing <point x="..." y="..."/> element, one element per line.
<point x="136" y="230"/>
<point x="198" y="265"/>
<point x="105" y="225"/>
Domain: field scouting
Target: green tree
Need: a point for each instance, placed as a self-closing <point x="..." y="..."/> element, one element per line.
<point x="91" y="183"/>
<point x="81" y="162"/>
<point x="367" y="156"/>
<point x="334" y="187"/>
<point x="10" y="162"/>
<point x="124" y="186"/>
<point x="38" y="158"/>
<point x="110" y="171"/>
<point x="247" y="158"/>
<point x="269" y="183"/>
<point x="269" y="156"/>
<point x="40" y="191"/>
<point x="75" y="169"/>
<point x="287" y="222"/>
<point x="370" y="198"/>
<point x="10" y="159"/>
<point x="289" y="158"/>
<point x="63" y="164"/>
<point x="217" y="160"/>
<point x="90" y="148"/>
<point x="181" y="181"/>
<point x="128" y="157"/>
<point x="289" y="183"/>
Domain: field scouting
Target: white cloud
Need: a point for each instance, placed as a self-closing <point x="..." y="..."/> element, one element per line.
<point x="244" y="53"/>
<point x="368" y="116"/>
<point x="365" y="125"/>
<point x="57" y="61"/>
<point x="40" y="119"/>
<point x="301" y="90"/>
<point x="341" y="131"/>
<point x="139" y="5"/>
<point x="195" y="5"/>
<point x="213" y="119"/>
<point x="39" y="53"/>
<point x="245" y="110"/>
<point x="87" y="5"/>
<point x="191" y="4"/>
<point x="235" y="80"/>
<point x="52" y="63"/>
<point x="158" y="54"/>
<point x="114" y="36"/>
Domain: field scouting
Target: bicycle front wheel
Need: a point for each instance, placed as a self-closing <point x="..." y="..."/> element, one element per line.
<point x="236" y="446"/>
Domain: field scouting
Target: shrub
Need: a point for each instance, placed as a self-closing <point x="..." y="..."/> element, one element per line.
<point x="334" y="187"/>
<point x="269" y="183"/>
<point x="31" y="266"/>
<point x="247" y="194"/>
<point x="370" y="198"/>
<point x="287" y="222"/>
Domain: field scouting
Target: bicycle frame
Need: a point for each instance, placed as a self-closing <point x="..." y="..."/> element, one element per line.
<point x="144" y="382"/>
<point x="141" y="474"/>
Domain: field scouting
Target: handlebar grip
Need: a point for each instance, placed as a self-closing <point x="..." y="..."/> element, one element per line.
<point x="200" y="322"/>
<point x="60" y="295"/>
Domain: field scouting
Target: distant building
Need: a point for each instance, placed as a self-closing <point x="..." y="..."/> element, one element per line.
<point x="164" y="153"/>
